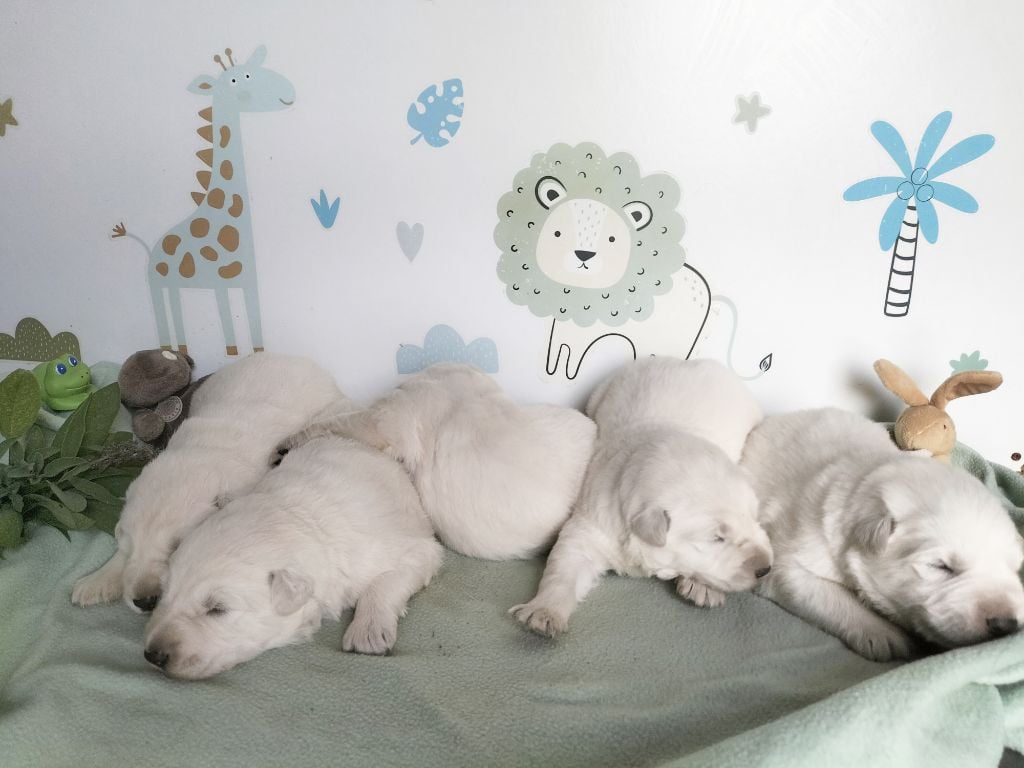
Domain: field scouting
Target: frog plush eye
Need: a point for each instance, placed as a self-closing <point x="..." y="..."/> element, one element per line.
<point x="61" y="368"/>
<point x="73" y="360"/>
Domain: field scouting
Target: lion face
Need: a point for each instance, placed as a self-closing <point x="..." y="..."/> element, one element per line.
<point x="584" y="243"/>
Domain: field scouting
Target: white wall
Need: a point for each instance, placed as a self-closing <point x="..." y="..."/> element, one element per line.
<point x="106" y="133"/>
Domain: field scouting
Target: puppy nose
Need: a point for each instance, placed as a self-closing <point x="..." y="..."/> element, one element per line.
<point x="156" y="658"/>
<point x="585" y="255"/>
<point x="1000" y="626"/>
<point x="146" y="604"/>
<point x="761" y="572"/>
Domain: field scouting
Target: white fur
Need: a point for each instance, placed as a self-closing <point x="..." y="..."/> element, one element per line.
<point x="497" y="479"/>
<point x="337" y="524"/>
<point x="861" y="530"/>
<point x="237" y="416"/>
<point x="663" y="495"/>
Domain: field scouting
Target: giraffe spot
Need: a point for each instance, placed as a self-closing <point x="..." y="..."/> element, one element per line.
<point x="228" y="237"/>
<point x="225" y="136"/>
<point x="199" y="227"/>
<point x="234" y="269"/>
<point x="204" y="178"/>
<point x="236" y="206"/>
<point x="206" y="155"/>
<point x="208" y="253"/>
<point x="198" y="197"/>
<point x="216" y="198"/>
<point x="170" y="244"/>
<point x="206" y="132"/>
<point x="187" y="268"/>
<point x="161" y="267"/>
<point x="206" y="114"/>
<point x="227" y="170"/>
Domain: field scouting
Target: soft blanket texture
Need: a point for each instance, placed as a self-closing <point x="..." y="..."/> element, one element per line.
<point x="640" y="679"/>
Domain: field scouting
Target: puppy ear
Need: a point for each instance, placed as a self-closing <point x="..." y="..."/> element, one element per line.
<point x="289" y="591"/>
<point x="890" y="502"/>
<point x="651" y="525"/>
<point x="872" y="533"/>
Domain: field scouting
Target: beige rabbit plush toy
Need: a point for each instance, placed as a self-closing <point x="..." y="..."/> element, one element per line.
<point x="925" y="424"/>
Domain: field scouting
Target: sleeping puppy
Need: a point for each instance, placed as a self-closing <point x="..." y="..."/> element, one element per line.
<point x="872" y="543"/>
<point x="662" y="497"/>
<point x="239" y="414"/>
<point x="337" y="524"/>
<point x="497" y="479"/>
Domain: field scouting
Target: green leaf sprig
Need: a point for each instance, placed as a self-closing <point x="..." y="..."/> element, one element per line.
<point x="72" y="480"/>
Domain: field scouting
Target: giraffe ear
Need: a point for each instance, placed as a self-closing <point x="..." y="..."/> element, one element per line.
<point x="202" y="84"/>
<point x="258" y="57"/>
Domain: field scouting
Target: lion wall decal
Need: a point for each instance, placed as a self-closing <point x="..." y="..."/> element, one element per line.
<point x="588" y="241"/>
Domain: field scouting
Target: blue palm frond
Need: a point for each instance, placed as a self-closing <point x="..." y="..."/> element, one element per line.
<point x="892" y="143"/>
<point x="954" y="197"/>
<point x="928" y="220"/>
<point x="931" y="139"/>
<point x="961" y="153"/>
<point x="891" y="221"/>
<point x="880" y="185"/>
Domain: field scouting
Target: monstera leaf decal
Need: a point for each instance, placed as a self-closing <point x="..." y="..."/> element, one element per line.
<point x="434" y="112"/>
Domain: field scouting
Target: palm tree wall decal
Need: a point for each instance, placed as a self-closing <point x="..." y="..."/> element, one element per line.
<point x="912" y="212"/>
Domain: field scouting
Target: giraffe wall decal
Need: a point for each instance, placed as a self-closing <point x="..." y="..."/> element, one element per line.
<point x="213" y="247"/>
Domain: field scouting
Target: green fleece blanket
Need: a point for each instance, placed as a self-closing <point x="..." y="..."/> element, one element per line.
<point x="640" y="679"/>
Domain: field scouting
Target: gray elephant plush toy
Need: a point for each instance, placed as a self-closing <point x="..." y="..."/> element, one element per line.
<point x="157" y="386"/>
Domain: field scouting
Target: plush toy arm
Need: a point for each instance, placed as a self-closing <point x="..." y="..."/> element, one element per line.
<point x="147" y="425"/>
<point x="897" y="382"/>
<point x="965" y="383"/>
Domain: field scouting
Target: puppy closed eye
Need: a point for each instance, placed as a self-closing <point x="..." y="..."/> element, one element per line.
<point x="718" y="539"/>
<point x="216" y="609"/>
<point x="943" y="567"/>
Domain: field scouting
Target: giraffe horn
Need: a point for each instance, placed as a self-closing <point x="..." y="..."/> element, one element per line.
<point x="220" y="61"/>
<point x="228" y="52"/>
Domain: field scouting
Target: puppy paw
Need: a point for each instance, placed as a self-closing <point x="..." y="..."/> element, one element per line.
<point x="699" y="593"/>
<point x="884" y="642"/>
<point x="374" y="636"/>
<point x="97" y="588"/>
<point x="543" y="621"/>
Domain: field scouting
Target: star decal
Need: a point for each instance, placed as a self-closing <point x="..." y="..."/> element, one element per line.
<point x="6" y="118"/>
<point x="750" y="110"/>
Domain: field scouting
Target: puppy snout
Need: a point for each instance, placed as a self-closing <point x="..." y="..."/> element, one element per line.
<point x="760" y="564"/>
<point x="1001" y="626"/>
<point x="146" y="604"/>
<point x="156" y="657"/>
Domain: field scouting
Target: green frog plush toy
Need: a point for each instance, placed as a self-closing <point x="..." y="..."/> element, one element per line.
<point x="64" y="383"/>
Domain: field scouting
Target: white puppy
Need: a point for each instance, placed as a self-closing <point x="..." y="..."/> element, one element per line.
<point x="237" y="416"/>
<point x="497" y="479"/>
<point x="337" y="524"/>
<point x="663" y="495"/>
<point x="862" y="531"/>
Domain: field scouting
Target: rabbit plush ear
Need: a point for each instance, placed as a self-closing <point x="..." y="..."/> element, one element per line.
<point x="897" y="382"/>
<point x="965" y="383"/>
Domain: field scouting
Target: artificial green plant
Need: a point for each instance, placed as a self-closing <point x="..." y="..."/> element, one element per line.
<point x="73" y="479"/>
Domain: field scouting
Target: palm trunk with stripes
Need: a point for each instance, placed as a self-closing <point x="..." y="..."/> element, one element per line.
<point x="901" y="273"/>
